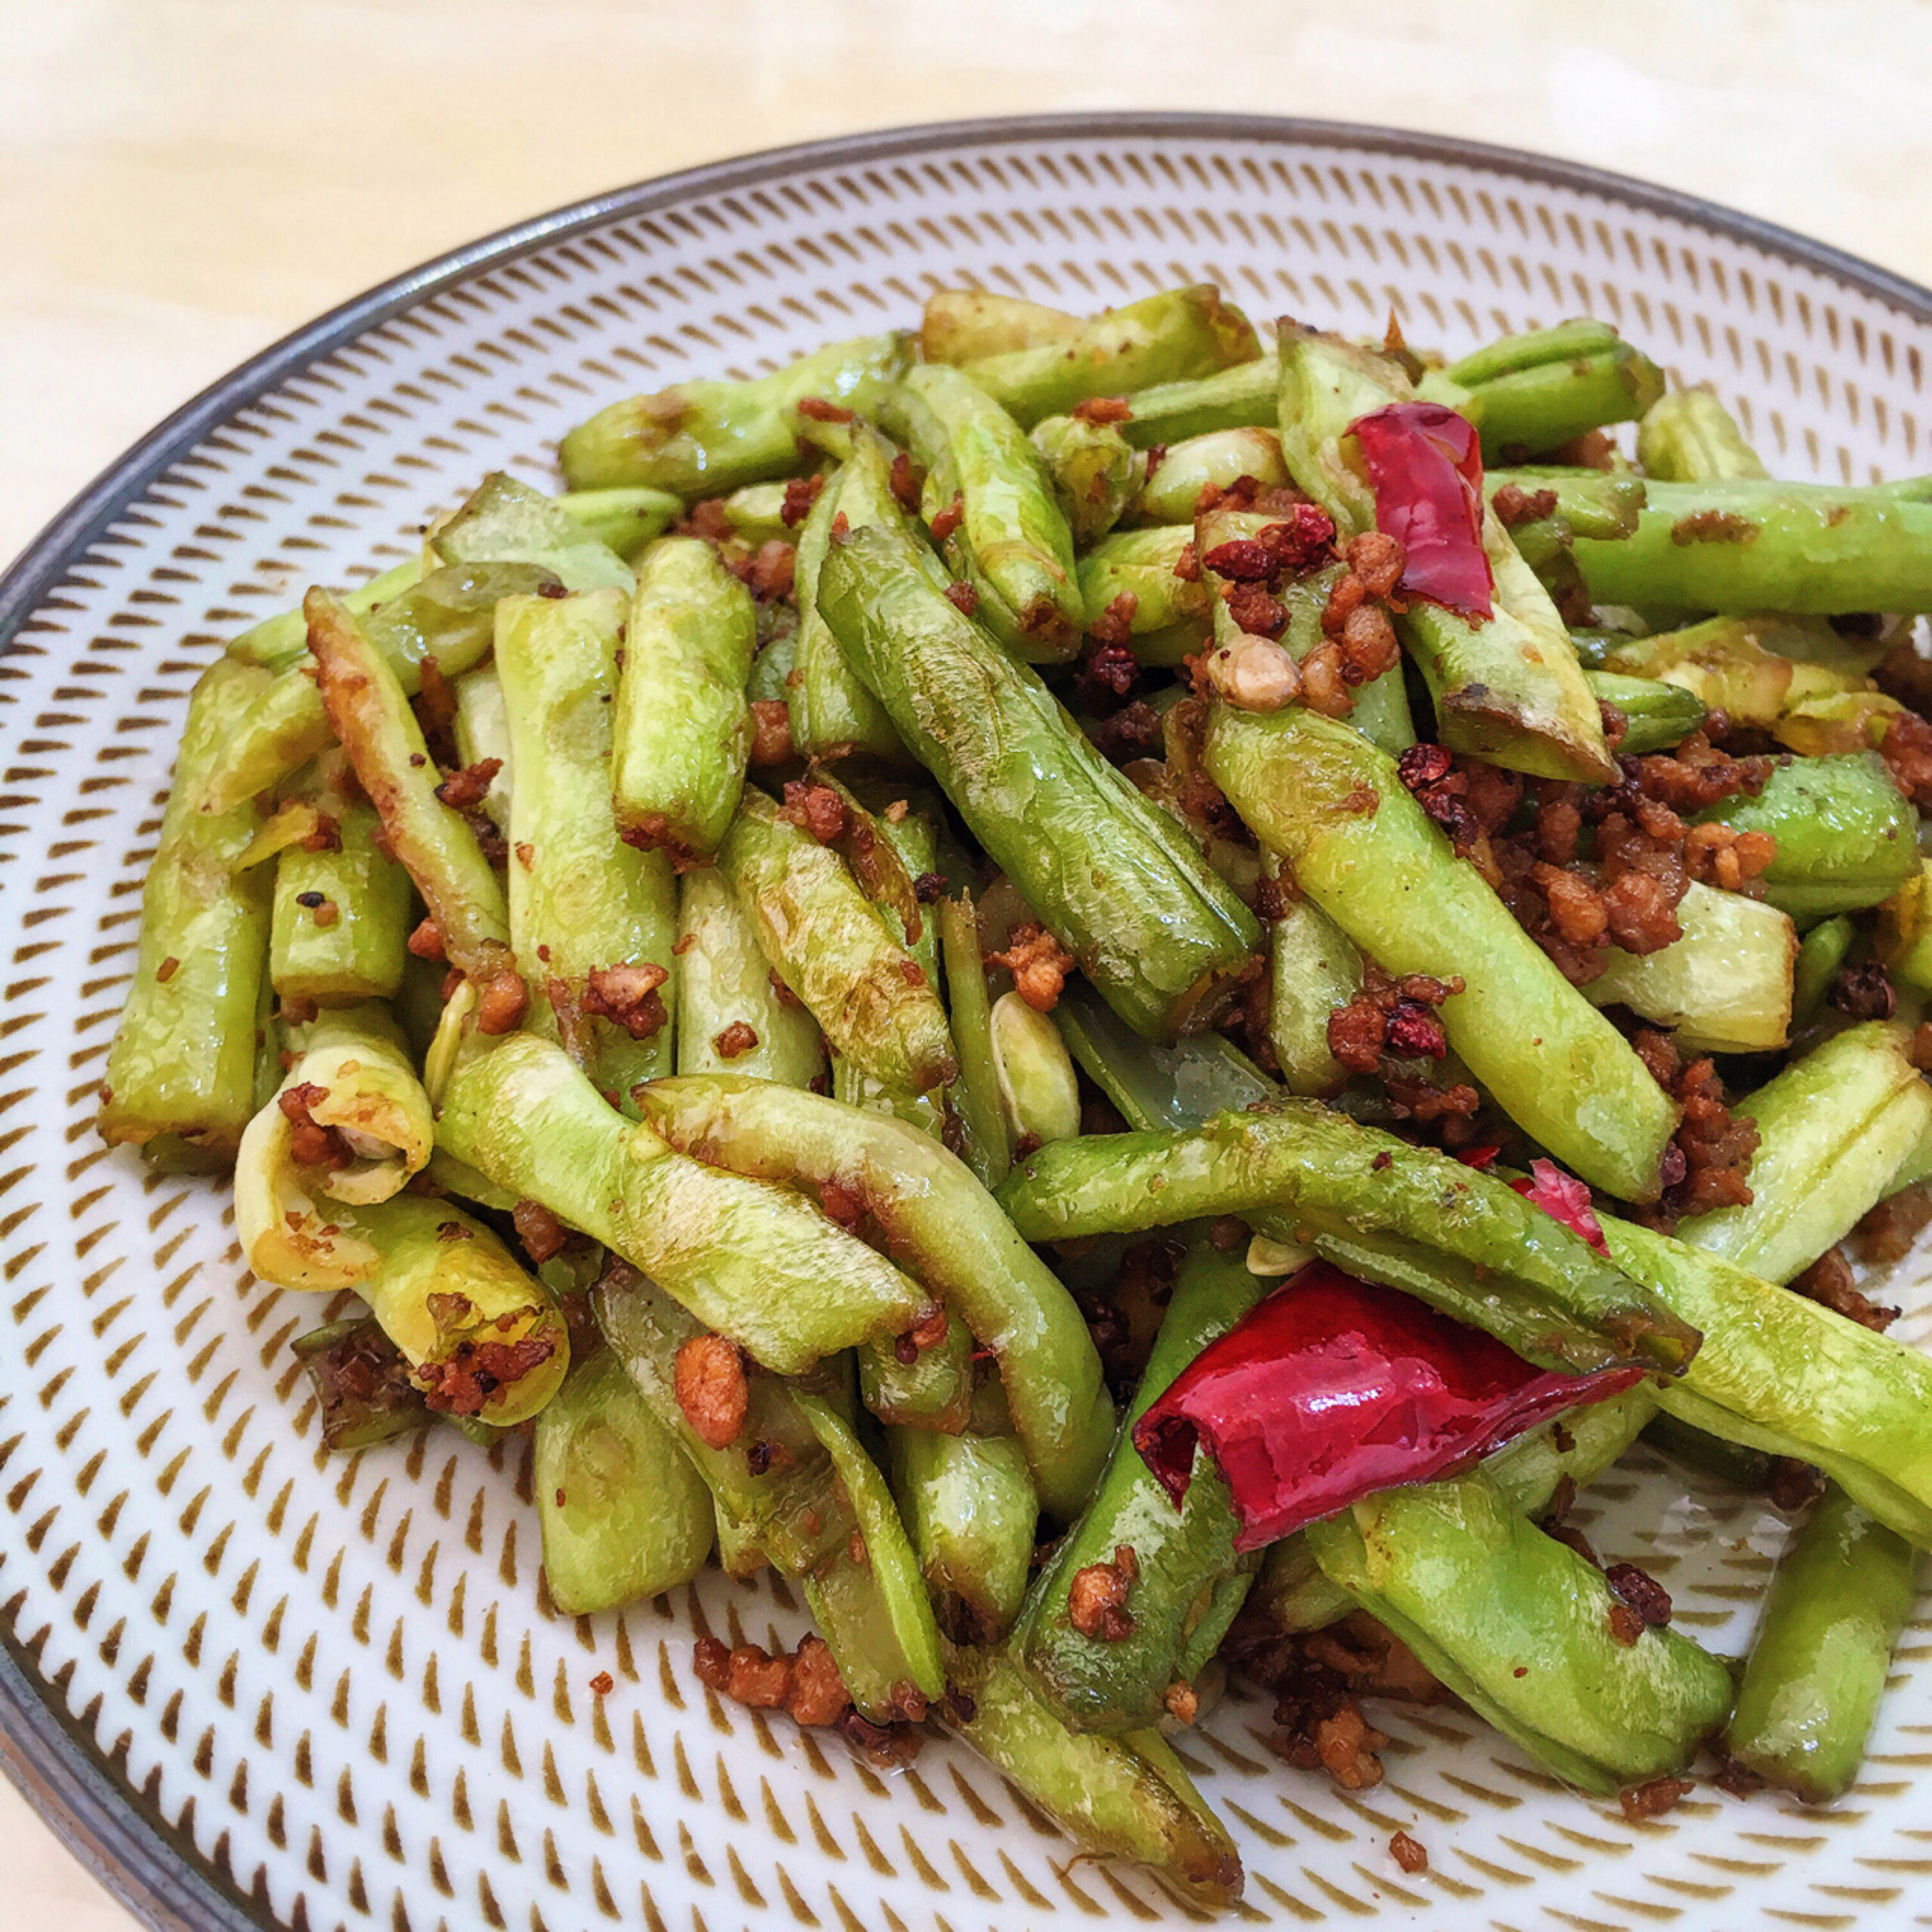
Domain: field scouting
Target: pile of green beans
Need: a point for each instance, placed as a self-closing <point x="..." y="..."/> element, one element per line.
<point x="737" y="965"/>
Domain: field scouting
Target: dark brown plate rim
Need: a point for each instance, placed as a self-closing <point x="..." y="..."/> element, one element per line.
<point x="147" y="1865"/>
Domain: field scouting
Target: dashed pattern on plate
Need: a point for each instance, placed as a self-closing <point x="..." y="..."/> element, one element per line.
<point x="337" y="1682"/>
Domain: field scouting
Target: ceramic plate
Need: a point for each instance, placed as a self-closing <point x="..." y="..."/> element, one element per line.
<point x="255" y="1686"/>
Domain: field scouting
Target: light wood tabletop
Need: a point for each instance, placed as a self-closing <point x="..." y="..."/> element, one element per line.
<point x="181" y="181"/>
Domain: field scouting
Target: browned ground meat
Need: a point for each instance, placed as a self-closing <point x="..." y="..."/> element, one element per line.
<point x="1829" y="1281"/>
<point x="627" y="995"/>
<point x="1888" y="1232"/>
<point x="1097" y="1602"/>
<point x="1906" y="749"/>
<point x="711" y="1389"/>
<point x="771" y="741"/>
<point x="1108" y="672"/>
<point x="1039" y="963"/>
<point x="1409" y="1854"/>
<point x="465" y="788"/>
<point x="435" y="705"/>
<point x="1653" y="1799"/>
<point x="801" y="492"/>
<point x="1515" y="506"/>
<point x="310" y="1143"/>
<point x="1705" y="1164"/>
<point x="474" y="1372"/>
<point x="815" y="808"/>
<point x="543" y="1234"/>
<point x="502" y="1001"/>
<point x="1104" y="410"/>
<point x="1642" y="1592"/>
<point x="805" y="1683"/>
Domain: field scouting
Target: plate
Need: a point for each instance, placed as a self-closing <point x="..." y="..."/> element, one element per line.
<point x="254" y="1685"/>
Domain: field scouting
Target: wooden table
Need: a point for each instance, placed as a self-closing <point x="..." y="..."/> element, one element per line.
<point x="183" y="180"/>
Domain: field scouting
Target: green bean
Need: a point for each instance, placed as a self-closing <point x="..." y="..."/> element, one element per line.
<point x="1726" y="986"/>
<point x="621" y="520"/>
<point x="834" y="714"/>
<point x="1038" y="1085"/>
<point x="507" y="522"/>
<point x="600" y="916"/>
<point x="790" y="1511"/>
<point x="1313" y="969"/>
<point x="1847" y="838"/>
<point x="1116" y="1797"/>
<point x="755" y="514"/>
<point x="976" y="1092"/>
<point x="1655" y="715"/>
<point x="1168" y="615"/>
<point x="361" y="1385"/>
<point x="972" y="1511"/>
<point x="1687" y="436"/>
<point x="949" y="1232"/>
<point x="871" y="1602"/>
<point x="700" y="438"/>
<point x="1177" y="335"/>
<point x="1821" y="953"/>
<point x="834" y="951"/>
<point x="341" y="913"/>
<point x="964" y="325"/>
<point x="1010" y="540"/>
<point x="1903" y="937"/>
<point x="1750" y="545"/>
<point x="1730" y="1463"/>
<point x="482" y="732"/>
<point x="1336" y="811"/>
<point x="1833" y="1128"/>
<point x="278" y="641"/>
<point x="182" y="1062"/>
<point x="1778" y="1372"/>
<point x="371" y="716"/>
<point x="932" y="1392"/>
<point x="1843" y="1592"/>
<point x="1539" y="391"/>
<point x="1408" y="1216"/>
<point x="1180" y="1555"/>
<point x="1590" y="503"/>
<point x="1293" y="1592"/>
<point x="1507" y="689"/>
<point x="1094" y="470"/>
<point x="1242" y="396"/>
<point x="1117" y="881"/>
<point x="725" y="991"/>
<point x="683" y="725"/>
<point x="447" y="617"/>
<point x="622" y="1512"/>
<point x="1518" y="1627"/>
<point x="748" y="1258"/>
<point x="1170" y="492"/>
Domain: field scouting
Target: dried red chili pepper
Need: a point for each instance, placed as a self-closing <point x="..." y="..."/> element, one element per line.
<point x="1333" y="1389"/>
<point x="1426" y="467"/>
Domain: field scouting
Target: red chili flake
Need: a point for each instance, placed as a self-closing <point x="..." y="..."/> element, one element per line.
<point x="1425" y="463"/>
<point x="602" y="1684"/>
<point x="1332" y="1389"/>
<point x="1564" y="1198"/>
<point x="949" y="520"/>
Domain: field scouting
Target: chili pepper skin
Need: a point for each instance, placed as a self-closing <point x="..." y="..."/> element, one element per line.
<point x="581" y="900"/>
<point x="1750" y="545"/>
<point x="683" y="726"/>
<point x="1126" y="1797"/>
<point x="1171" y="336"/>
<point x="1845" y="1590"/>
<point x="1425" y="469"/>
<point x="827" y="943"/>
<point x="1368" y="1202"/>
<point x="1518" y="1625"/>
<point x="1118" y="883"/>
<point x="182" y="1062"/>
<point x="622" y="1512"/>
<point x="703" y="438"/>
<point x="1334" y="808"/>
<point x="749" y="1259"/>
<point x="1180" y="1553"/>
<point x="1687" y="436"/>
<point x="1506" y="685"/>
<point x="938" y="1218"/>
<point x="1330" y="1389"/>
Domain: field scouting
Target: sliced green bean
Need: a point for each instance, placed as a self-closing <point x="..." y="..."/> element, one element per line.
<point x="506" y="522"/>
<point x="361" y="1385"/>
<point x="965" y="325"/>
<point x="1038" y="1085"/>
<point x="972" y="1511"/>
<point x="182" y="1062"/>
<point x="622" y="1512"/>
<point x="1169" y="616"/>
<point x="1687" y="436"/>
<point x="683" y="726"/>
<point x="1171" y="489"/>
<point x="340" y="922"/>
<point x="1655" y="715"/>
<point x="751" y="1259"/>
<point x="1094" y="470"/>
<point x="1313" y="969"/>
<point x="482" y="732"/>
<point x="976" y="1092"/>
<point x="733" y="1017"/>
<point x="1821" y="953"/>
<point x="703" y="438"/>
